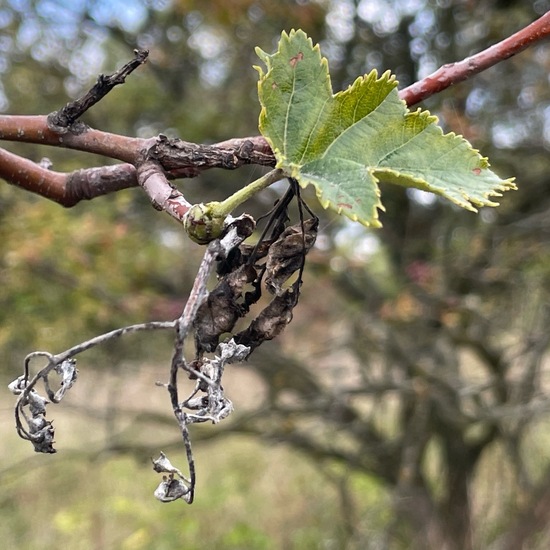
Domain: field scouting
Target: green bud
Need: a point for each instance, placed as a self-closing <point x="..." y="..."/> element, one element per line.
<point x="204" y="223"/>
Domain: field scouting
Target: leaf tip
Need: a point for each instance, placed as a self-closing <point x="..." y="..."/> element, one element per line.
<point x="387" y="76"/>
<point x="264" y="56"/>
<point x="299" y="33"/>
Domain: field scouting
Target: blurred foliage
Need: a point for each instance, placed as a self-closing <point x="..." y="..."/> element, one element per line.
<point x="113" y="509"/>
<point x="428" y="336"/>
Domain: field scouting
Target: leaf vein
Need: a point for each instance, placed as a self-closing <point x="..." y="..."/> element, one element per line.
<point x="348" y="129"/>
<point x="321" y="111"/>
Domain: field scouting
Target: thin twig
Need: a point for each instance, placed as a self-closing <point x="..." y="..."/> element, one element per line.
<point x="190" y="458"/>
<point x="40" y="431"/>
<point x="54" y="360"/>
<point x="117" y="333"/>
<point x="63" y="120"/>
<point x="453" y="73"/>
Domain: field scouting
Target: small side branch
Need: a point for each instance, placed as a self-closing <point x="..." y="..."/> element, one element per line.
<point x="30" y="408"/>
<point x="65" y="189"/>
<point x="63" y="120"/>
<point x="162" y="194"/>
<point x="117" y="333"/>
<point x="54" y="360"/>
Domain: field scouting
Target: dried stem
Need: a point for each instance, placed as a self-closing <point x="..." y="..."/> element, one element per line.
<point x="54" y="360"/>
<point x="63" y="120"/>
<point x="184" y="322"/>
<point x="216" y="250"/>
<point x="40" y="431"/>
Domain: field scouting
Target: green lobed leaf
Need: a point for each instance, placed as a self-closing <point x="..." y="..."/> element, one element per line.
<point x="345" y="144"/>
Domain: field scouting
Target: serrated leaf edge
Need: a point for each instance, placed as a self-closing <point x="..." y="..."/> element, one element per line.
<point x="294" y="170"/>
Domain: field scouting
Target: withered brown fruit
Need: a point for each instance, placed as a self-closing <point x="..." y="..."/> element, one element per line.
<point x="286" y="254"/>
<point x="271" y="321"/>
<point x="221" y="309"/>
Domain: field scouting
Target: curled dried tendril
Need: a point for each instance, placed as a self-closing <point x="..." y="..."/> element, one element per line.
<point x="275" y="263"/>
<point x="30" y="409"/>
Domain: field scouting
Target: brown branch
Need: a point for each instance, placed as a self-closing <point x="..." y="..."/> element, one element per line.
<point x="65" y="189"/>
<point x="32" y="177"/>
<point x="179" y="159"/>
<point x="34" y="129"/>
<point x="63" y="120"/>
<point x="182" y="158"/>
<point x="453" y="73"/>
<point x="189" y="159"/>
<point x="94" y="182"/>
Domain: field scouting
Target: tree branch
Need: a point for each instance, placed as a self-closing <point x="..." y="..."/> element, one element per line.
<point x="32" y="177"/>
<point x="181" y="159"/>
<point x="453" y="73"/>
<point x="63" y="120"/>
<point x="34" y="129"/>
<point x="65" y="189"/>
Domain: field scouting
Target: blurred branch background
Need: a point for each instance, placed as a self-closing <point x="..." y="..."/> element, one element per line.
<point x="406" y="406"/>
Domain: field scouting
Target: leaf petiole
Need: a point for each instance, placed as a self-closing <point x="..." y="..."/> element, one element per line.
<point x="205" y="222"/>
<point x="227" y="206"/>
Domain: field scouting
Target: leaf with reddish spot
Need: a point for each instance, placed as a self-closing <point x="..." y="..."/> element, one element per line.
<point x="345" y="144"/>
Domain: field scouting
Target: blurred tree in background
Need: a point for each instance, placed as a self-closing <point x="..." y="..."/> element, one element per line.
<point x="417" y="383"/>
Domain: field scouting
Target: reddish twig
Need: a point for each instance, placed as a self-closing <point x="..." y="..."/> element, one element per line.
<point x="453" y="73"/>
<point x="32" y="177"/>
